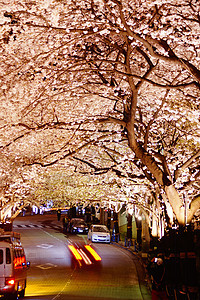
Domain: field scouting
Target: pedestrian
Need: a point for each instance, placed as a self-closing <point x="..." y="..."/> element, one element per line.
<point x="58" y="214"/>
<point x="65" y="224"/>
<point x="156" y="270"/>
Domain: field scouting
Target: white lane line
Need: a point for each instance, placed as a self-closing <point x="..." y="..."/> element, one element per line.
<point x="45" y="246"/>
<point x="47" y="266"/>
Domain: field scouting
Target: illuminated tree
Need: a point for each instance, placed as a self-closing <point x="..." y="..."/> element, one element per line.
<point x="83" y="77"/>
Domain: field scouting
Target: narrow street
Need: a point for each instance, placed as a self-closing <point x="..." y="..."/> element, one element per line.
<point x="54" y="275"/>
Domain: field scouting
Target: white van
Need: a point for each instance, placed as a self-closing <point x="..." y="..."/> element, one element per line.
<point x="13" y="266"/>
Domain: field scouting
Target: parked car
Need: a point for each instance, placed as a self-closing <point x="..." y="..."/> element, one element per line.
<point x="99" y="233"/>
<point x="77" y="225"/>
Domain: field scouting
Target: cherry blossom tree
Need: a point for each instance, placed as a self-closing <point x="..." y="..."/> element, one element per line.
<point x="115" y="82"/>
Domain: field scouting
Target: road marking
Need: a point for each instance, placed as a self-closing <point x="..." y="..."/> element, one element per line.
<point x="47" y="266"/>
<point x="45" y="246"/>
<point x="83" y="237"/>
<point x="64" y="287"/>
<point x="34" y="226"/>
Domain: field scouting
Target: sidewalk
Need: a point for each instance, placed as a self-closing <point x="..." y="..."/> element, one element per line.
<point x="189" y="291"/>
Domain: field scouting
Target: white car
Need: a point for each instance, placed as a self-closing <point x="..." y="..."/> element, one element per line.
<point x="99" y="233"/>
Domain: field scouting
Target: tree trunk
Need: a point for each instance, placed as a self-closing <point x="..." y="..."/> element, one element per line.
<point x="176" y="204"/>
<point x="161" y="178"/>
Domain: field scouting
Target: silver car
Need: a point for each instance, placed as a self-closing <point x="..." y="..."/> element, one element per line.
<point x="99" y="233"/>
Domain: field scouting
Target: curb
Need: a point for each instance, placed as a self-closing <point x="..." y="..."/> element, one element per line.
<point x="145" y="280"/>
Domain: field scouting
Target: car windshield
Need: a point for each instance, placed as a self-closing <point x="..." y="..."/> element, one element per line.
<point x="100" y="229"/>
<point x="78" y="222"/>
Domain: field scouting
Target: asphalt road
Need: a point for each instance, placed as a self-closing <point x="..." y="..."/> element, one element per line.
<point x="55" y="275"/>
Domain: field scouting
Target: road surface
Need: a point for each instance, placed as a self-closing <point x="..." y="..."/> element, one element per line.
<point x="55" y="274"/>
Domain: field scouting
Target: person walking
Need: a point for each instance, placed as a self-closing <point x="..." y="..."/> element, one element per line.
<point x="156" y="270"/>
<point x="58" y="214"/>
<point x="65" y="224"/>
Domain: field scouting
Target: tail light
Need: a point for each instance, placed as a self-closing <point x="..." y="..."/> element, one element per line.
<point x="82" y="256"/>
<point x="75" y="252"/>
<point x="10" y="281"/>
<point x="85" y="257"/>
<point x="93" y="253"/>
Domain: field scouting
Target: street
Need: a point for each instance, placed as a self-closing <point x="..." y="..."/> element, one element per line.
<point x="54" y="274"/>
